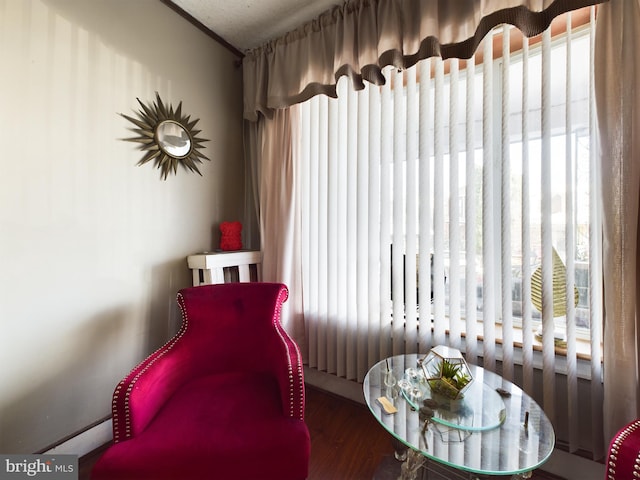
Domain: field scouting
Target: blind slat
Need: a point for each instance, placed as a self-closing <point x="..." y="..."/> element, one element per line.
<point x="341" y="319"/>
<point x="374" y="228"/>
<point x="322" y="244"/>
<point x="471" y="204"/>
<point x="527" y="323"/>
<point x="386" y="216"/>
<point x="488" y="256"/>
<point x="440" y="322"/>
<point x="333" y="239"/>
<point x="505" y="236"/>
<point x="454" y="208"/>
<point x="426" y="244"/>
<point x="362" y="237"/>
<point x="411" y="267"/>
<point x="548" y="327"/>
<point x="352" y="230"/>
<point x="398" y="247"/>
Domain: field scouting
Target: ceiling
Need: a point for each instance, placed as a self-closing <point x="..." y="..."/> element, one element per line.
<point x="246" y="24"/>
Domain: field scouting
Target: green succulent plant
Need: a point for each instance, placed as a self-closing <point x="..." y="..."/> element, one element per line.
<point x="450" y="379"/>
<point x="447" y="369"/>
<point x="462" y="380"/>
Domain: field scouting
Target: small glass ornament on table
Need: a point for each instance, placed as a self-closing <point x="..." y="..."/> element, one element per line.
<point x="411" y="384"/>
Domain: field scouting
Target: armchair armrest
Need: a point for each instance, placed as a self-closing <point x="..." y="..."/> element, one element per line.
<point x="285" y="353"/>
<point x="139" y="396"/>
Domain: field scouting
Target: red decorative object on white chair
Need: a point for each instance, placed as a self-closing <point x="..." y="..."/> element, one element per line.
<point x="230" y="236"/>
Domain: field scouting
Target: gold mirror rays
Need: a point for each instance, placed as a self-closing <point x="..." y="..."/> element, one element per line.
<point x="167" y="137"/>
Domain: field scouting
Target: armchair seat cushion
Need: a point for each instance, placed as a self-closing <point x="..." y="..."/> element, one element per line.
<point x="217" y="436"/>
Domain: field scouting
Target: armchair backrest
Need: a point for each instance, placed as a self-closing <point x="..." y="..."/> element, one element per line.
<point x="232" y="321"/>
<point x="236" y="327"/>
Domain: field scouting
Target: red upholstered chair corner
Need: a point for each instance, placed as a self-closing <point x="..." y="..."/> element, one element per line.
<point x="223" y="399"/>
<point x="623" y="457"/>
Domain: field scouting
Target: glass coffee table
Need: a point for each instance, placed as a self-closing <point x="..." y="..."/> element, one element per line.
<point x="494" y="430"/>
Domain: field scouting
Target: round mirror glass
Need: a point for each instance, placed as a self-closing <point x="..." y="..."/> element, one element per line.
<point x="173" y="138"/>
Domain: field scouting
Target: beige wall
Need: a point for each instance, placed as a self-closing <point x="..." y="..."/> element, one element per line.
<point x="93" y="247"/>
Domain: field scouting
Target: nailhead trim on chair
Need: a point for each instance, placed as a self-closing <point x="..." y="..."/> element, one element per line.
<point x="158" y="354"/>
<point x="614" y="451"/>
<point x="284" y="337"/>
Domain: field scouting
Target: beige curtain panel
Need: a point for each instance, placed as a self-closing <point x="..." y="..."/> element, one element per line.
<point x="361" y="37"/>
<point x="618" y="105"/>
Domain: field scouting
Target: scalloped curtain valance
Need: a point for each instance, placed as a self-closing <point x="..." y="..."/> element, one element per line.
<point x="361" y="37"/>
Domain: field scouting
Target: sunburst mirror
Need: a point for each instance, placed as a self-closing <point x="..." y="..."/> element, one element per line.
<point x="167" y="137"/>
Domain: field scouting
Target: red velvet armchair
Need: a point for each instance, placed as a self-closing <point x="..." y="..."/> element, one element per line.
<point x="623" y="456"/>
<point x="223" y="399"/>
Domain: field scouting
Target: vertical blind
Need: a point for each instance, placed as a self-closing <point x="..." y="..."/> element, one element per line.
<point x="429" y="202"/>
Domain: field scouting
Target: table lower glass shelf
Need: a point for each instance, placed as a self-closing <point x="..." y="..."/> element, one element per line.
<point x="481" y="408"/>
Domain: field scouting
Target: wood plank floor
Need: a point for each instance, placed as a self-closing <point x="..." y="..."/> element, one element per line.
<point x="347" y="443"/>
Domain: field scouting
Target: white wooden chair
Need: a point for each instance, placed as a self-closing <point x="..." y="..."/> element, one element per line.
<point x="225" y="267"/>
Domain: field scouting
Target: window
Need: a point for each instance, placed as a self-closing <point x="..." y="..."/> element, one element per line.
<point x="387" y="168"/>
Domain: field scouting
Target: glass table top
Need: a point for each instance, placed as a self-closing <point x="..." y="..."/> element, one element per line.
<point x="481" y="407"/>
<point x="484" y="432"/>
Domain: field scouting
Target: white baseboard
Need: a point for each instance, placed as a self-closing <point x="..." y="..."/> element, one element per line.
<point x="86" y="441"/>
<point x="561" y="463"/>
<point x="330" y="383"/>
<point x="573" y="467"/>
